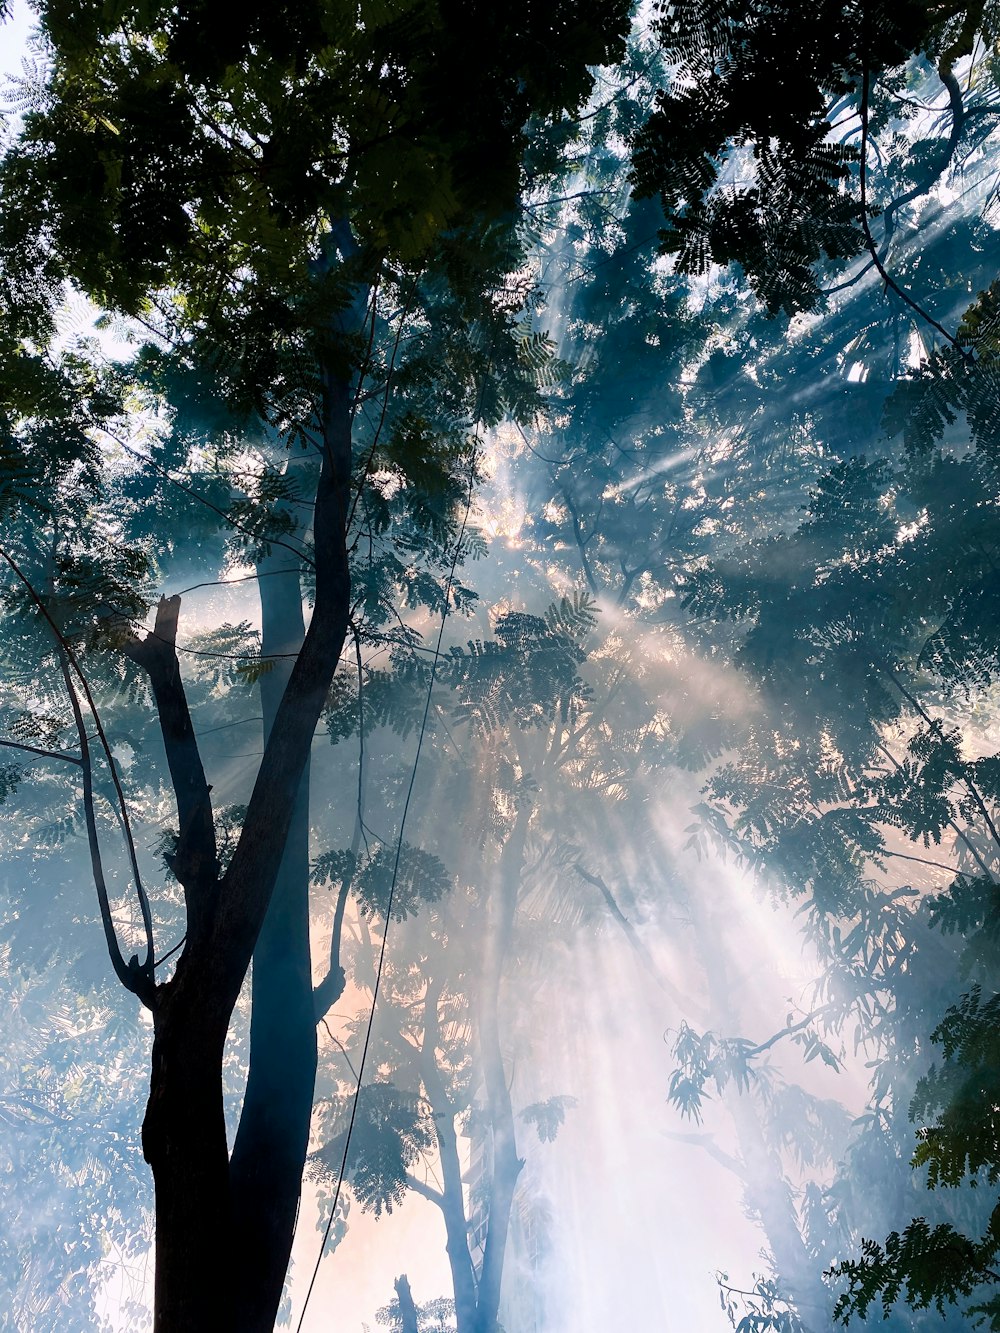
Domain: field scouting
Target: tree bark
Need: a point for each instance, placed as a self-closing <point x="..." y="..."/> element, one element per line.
<point x="273" y="1136"/>
<point x="184" y="1141"/>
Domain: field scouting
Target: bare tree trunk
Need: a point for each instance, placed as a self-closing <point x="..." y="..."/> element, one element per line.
<point x="273" y="1137"/>
<point x="407" y="1310"/>
<point x="766" y="1191"/>
<point x="184" y="1141"/>
<point x="451" y="1201"/>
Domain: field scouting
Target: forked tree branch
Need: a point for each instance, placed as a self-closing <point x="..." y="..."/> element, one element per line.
<point x="136" y="977"/>
<point x="133" y="977"/>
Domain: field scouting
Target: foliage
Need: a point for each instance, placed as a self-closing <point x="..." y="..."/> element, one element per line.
<point x="432" y="1316"/>
<point x="390" y="1132"/>
<point x="763" y="1308"/>
<point x="548" y="1116"/>
<point x="412" y="876"/>
<point x="236" y="186"/>
<point x="749" y="176"/>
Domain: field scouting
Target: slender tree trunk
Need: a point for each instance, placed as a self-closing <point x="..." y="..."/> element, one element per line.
<point x="452" y="1202"/>
<point x="769" y="1198"/>
<point x="506" y="1163"/>
<point x="273" y="1137"/>
<point x="767" y="1194"/>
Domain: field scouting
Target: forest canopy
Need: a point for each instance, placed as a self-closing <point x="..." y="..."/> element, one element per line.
<point x="500" y="642"/>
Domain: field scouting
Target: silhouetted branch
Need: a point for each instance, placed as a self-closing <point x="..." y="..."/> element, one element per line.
<point x="627" y="927"/>
<point x="45" y="754"/>
<point x="935" y="725"/>
<point x="129" y="974"/>
<point x="195" y="861"/>
<point x="866" y="226"/>
<point x="331" y="988"/>
<point x="135" y="977"/>
<point x="790" y="1030"/>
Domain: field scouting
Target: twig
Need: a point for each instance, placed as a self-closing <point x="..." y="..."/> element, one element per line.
<point x="343" y="1050"/>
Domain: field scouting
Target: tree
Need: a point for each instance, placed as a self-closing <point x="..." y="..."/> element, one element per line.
<point x="517" y="702"/>
<point x="867" y="751"/>
<point x="252" y="241"/>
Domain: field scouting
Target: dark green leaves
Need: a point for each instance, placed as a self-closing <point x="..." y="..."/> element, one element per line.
<point x="418" y="878"/>
<point x="392" y="1130"/>
<point x="748" y="104"/>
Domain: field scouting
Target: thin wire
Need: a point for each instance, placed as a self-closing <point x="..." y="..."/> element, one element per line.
<point x="473" y="459"/>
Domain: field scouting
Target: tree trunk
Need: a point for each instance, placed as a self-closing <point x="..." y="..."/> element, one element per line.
<point x="184" y="1132"/>
<point x="452" y="1202"/>
<point x="184" y="1142"/>
<point x="463" y="1278"/>
<point x="273" y="1137"/>
<point x="506" y="1163"/>
<point x="767" y="1194"/>
<point x="407" y="1310"/>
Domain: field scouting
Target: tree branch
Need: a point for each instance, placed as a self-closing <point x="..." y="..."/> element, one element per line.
<point x="935" y="725"/>
<point x="129" y="974"/>
<point x="708" y="1144"/>
<point x="790" y="1030"/>
<point x="140" y="979"/>
<point x="866" y="226"/>
<point x="45" y="754"/>
<point x="425" y="1191"/>
<point x="331" y="988"/>
<point x="195" y="862"/>
<point x="628" y="928"/>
